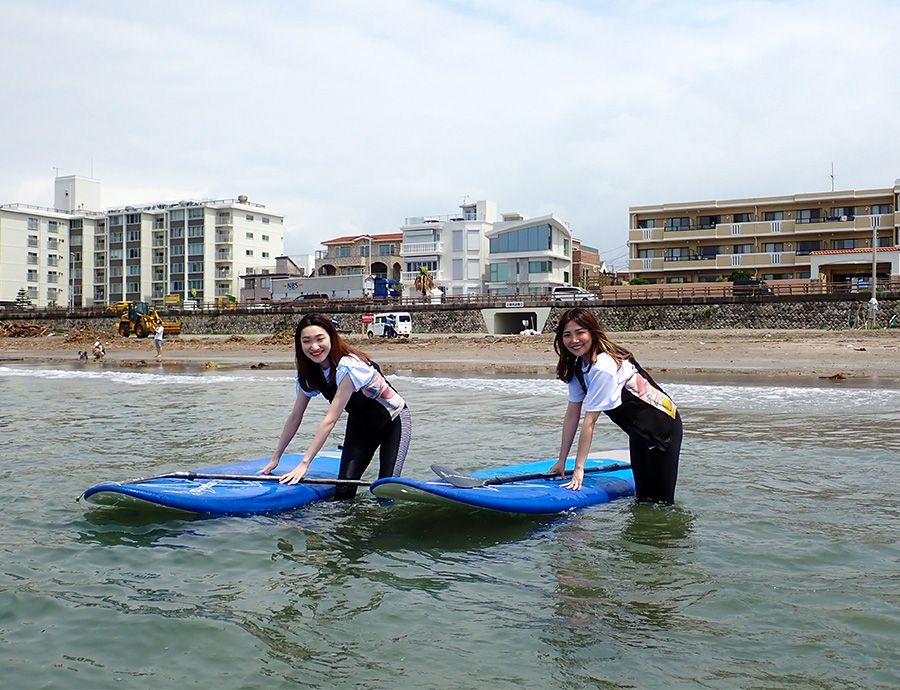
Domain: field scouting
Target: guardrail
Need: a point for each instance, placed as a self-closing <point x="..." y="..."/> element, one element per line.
<point x="611" y="295"/>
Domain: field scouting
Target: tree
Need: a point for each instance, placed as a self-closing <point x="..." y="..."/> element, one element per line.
<point x="424" y="281"/>
<point x="638" y="280"/>
<point x="739" y="274"/>
<point x="23" y="301"/>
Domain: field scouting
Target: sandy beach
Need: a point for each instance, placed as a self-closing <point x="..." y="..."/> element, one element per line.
<point x="864" y="357"/>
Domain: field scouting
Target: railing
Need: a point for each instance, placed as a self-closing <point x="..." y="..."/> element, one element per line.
<point x="420" y="248"/>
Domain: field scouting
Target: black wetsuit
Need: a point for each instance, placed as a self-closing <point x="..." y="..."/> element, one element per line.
<point x="654" y="441"/>
<point x="370" y="427"/>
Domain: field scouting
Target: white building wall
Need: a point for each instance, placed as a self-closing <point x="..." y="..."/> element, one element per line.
<point x="76" y="193"/>
<point x="46" y="278"/>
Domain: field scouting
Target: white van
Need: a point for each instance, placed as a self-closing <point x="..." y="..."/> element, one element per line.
<point x="571" y="293"/>
<point x="382" y="325"/>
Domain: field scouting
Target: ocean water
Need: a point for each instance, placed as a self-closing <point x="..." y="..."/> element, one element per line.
<point x="779" y="566"/>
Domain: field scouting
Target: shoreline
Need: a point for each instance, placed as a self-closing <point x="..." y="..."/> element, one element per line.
<point x="798" y="357"/>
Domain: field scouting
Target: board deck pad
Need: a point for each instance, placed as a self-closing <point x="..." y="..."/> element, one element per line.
<point x="224" y="497"/>
<point x="534" y="496"/>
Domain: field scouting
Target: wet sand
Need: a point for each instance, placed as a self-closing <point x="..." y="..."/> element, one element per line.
<point x="802" y="356"/>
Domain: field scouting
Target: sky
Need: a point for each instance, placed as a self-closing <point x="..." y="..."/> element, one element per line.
<point x="348" y="116"/>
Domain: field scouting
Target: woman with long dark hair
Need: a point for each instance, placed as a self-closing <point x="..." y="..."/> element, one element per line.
<point x="604" y="377"/>
<point x="378" y="417"/>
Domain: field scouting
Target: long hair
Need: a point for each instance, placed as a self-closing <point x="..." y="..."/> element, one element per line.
<point x="600" y="342"/>
<point x="310" y="374"/>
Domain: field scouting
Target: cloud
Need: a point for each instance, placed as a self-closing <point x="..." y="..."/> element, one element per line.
<point x="350" y="116"/>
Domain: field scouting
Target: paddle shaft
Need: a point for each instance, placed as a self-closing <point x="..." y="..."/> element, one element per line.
<point x="249" y="478"/>
<point x="468" y="481"/>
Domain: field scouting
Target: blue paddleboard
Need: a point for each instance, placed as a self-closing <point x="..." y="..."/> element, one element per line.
<point x="224" y="497"/>
<point x="534" y="496"/>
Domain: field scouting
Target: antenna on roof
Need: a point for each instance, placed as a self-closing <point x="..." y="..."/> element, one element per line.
<point x="832" y="176"/>
<point x="57" y="170"/>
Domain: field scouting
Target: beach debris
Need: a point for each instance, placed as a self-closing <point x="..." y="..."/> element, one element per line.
<point x="261" y="365"/>
<point x="280" y="338"/>
<point x="85" y="333"/>
<point x="835" y="377"/>
<point x="11" y="329"/>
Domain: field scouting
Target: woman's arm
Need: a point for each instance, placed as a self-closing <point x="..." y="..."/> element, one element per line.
<point x="290" y="429"/>
<point x="570" y="426"/>
<point x="584" y="447"/>
<point x="335" y="410"/>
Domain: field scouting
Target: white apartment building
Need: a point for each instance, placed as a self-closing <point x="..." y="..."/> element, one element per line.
<point x="478" y="251"/>
<point x="77" y="255"/>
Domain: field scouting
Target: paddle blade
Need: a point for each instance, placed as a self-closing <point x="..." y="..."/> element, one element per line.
<point x="456" y="479"/>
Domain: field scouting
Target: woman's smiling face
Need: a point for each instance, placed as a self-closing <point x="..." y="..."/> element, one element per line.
<point x="576" y="339"/>
<point x="316" y="343"/>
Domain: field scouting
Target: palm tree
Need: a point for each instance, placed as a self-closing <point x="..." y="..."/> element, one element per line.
<point x="424" y="281"/>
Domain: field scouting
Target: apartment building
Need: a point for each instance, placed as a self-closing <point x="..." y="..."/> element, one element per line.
<point x="377" y="255"/>
<point x="588" y="269"/>
<point x="77" y="255"/>
<point x="478" y="251"/>
<point x="771" y="238"/>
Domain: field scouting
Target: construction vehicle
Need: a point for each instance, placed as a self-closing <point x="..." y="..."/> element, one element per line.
<point x="141" y="319"/>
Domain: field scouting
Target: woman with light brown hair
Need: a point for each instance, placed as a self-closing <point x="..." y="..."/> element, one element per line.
<point x="604" y="377"/>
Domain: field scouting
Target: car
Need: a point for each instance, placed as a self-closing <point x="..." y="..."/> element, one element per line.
<point x="571" y="293"/>
<point x="392" y="324"/>
<point x="750" y="286"/>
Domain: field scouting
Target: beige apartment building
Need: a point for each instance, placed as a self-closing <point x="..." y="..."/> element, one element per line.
<point x="821" y="235"/>
<point x="377" y="255"/>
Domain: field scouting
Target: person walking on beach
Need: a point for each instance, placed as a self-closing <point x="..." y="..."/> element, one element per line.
<point x="378" y="417"/>
<point x="158" y="339"/>
<point x="604" y="377"/>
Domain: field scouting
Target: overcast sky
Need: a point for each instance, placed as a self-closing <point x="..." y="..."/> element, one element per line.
<point x="348" y="116"/>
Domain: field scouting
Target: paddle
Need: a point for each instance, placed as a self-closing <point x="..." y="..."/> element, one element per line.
<point x="467" y="481"/>
<point x="247" y="478"/>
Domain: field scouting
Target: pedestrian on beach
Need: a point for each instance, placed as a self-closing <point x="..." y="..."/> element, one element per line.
<point x="604" y="377"/>
<point x="158" y="339"/>
<point x="378" y="418"/>
<point x="98" y="351"/>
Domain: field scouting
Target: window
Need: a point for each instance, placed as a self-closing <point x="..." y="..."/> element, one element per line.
<point x="134" y="253"/>
<point x="773" y="247"/>
<point x="52" y="243"/>
<point x="195" y="285"/>
<point x="473" y="269"/>
<point x="707" y="279"/>
<point x="680" y="223"/>
<point x="265" y="220"/>
<point x="885" y="242"/>
<point x="134" y="270"/>
<point x="52" y="260"/>
<point x="499" y="272"/>
<point x="178" y="267"/>
<point x="133" y="219"/>
<point x="52" y="226"/>
<point x="32" y="275"/>
<point x="32" y="223"/>
<point x="473" y="240"/>
<point x="708" y="252"/>
<point x="804" y="248"/>
<point x="133" y="286"/>
<point x="539" y="266"/>
<point x="265" y="238"/>
<point x="115" y="254"/>
<point x="33" y="241"/>
<point x="249" y="252"/>
<point x="739" y="218"/>
<point x="195" y="267"/>
<point x="363" y="250"/>
<point x="176" y="233"/>
<point x="133" y="236"/>
<point x="457" y="240"/>
<point x="249" y="235"/>
<point x="177" y="250"/>
<point x="249" y="217"/>
<point x="344" y="250"/>
<point x="115" y="271"/>
<point x="265" y="255"/>
<point x="844" y="244"/>
<point x="457" y="269"/>
<point x="195" y="212"/>
<point x="709" y="221"/>
<point x="223" y="218"/>
<point x="647" y="223"/>
<point x="743" y="249"/>
<point x="115" y="220"/>
<point x="32" y="258"/>
<point x="265" y="283"/>
<point x="116" y="236"/>
<point x="881" y="209"/>
<point x="842" y="213"/>
<point x="195" y="249"/>
<point x="387" y="249"/>
<point x="177" y="214"/>
<point x="567" y="248"/>
<point x="195" y="231"/>
<point x="774" y="215"/>
<point x="646" y="253"/>
<point x="177" y="286"/>
<point x="531" y="239"/>
<point x="678" y="254"/>
<point x="675" y="279"/>
<point x="809" y="215"/>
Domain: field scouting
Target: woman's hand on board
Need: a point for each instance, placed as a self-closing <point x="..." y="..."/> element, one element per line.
<point x="577" y="480"/>
<point x="271" y="465"/>
<point x="295" y="475"/>
<point x="559" y="467"/>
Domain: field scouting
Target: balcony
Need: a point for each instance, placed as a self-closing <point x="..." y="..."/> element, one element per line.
<point x="224" y="236"/>
<point x="759" y="259"/>
<point x="422" y="249"/>
<point x="410" y="276"/>
<point x="223" y="255"/>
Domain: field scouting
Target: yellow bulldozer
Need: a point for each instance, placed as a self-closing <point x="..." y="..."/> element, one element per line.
<point x="141" y="319"/>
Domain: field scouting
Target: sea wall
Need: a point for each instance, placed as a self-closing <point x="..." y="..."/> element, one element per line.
<point x="779" y="313"/>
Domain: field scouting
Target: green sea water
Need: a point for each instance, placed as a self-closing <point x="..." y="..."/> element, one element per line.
<point x="779" y="567"/>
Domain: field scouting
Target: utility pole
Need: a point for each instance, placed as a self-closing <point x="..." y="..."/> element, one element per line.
<point x="832" y="176"/>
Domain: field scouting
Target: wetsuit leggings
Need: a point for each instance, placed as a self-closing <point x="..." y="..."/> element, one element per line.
<point x="655" y="470"/>
<point x="364" y="436"/>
